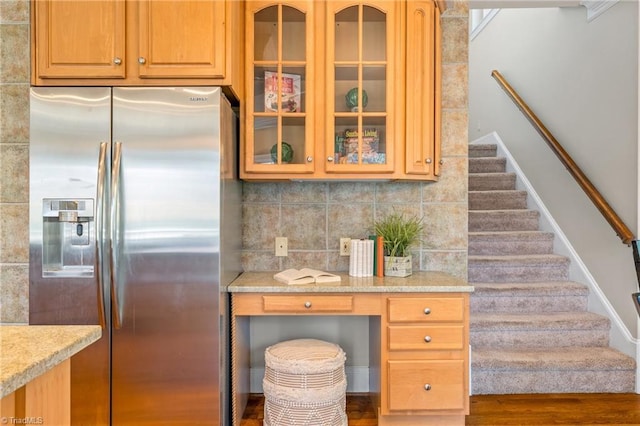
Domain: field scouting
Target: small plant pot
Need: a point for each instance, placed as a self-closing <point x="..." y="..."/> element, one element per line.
<point x="397" y="266"/>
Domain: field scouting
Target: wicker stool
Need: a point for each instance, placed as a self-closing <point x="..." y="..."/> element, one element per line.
<point x="304" y="384"/>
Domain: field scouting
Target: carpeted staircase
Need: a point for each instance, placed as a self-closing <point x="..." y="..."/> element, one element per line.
<point x="530" y="329"/>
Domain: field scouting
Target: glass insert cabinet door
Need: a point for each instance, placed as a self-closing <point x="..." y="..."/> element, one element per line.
<point x="360" y="76"/>
<point x="279" y="106"/>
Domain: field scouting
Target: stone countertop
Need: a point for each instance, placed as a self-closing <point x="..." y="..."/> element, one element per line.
<point x="27" y="351"/>
<point x="418" y="282"/>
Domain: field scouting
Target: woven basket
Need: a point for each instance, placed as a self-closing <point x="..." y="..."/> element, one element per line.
<point x="304" y="384"/>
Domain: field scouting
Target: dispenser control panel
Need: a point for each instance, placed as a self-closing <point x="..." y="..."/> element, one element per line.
<point x="68" y="237"/>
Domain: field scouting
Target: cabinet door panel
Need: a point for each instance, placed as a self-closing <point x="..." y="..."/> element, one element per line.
<point x="181" y="39"/>
<point x="280" y="101"/>
<point x="426" y="385"/>
<point x="80" y="39"/>
<point x="360" y="79"/>
<point x="422" y="114"/>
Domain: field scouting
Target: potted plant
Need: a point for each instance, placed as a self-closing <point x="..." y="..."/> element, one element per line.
<point x="400" y="233"/>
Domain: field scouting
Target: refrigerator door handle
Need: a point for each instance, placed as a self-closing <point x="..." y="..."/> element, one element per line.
<point x="115" y="229"/>
<point x="102" y="173"/>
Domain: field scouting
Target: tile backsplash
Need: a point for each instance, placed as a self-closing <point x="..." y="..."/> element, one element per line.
<point x="313" y="216"/>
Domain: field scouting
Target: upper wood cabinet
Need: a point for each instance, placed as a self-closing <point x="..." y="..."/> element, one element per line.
<point x="423" y="90"/>
<point x="137" y="42"/>
<point x="342" y="90"/>
<point x="281" y="77"/>
<point x="76" y="39"/>
<point x="181" y="39"/>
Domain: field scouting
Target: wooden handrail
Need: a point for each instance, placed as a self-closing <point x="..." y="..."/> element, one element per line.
<point x="594" y="195"/>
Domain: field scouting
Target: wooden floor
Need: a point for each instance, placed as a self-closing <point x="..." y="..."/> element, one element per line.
<point x="503" y="410"/>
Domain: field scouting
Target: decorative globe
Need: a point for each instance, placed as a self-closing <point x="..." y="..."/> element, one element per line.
<point x="351" y="99"/>
<point x="287" y="153"/>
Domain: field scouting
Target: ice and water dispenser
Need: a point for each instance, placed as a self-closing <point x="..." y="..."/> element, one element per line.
<point x="68" y="248"/>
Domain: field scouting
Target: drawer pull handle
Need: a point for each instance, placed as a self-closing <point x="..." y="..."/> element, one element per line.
<point x="307" y="305"/>
<point x="427" y="387"/>
<point x="427" y="311"/>
<point x="427" y="339"/>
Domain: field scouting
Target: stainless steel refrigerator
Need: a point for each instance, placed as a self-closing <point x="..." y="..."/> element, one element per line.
<point x="135" y="224"/>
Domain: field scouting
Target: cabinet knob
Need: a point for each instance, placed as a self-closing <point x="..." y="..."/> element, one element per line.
<point x="142" y="60"/>
<point x="117" y="61"/>
<point x="307" y="305"/>
<point x="427" y="311"/>
<point x="330" y="159"/>
<point x="427" y="339"/>
<point x="428" y="160"/>
<point x="309" y="159"/>
<point x="441" y="162"/>
<point x="427" y="387"/>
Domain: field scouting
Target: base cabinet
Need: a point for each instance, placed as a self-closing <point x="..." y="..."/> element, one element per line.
<point x="44" y="400"/>
<point x="426" y="356"/>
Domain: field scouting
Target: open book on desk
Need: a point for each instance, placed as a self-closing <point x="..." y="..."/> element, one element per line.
<point x="305" y="276"/>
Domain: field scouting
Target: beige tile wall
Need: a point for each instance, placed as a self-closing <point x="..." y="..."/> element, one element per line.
<point x="312" y="215"/>
<point x="14" y="160"/>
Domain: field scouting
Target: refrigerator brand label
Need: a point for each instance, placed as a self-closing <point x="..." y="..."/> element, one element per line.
<point x="198" y="98"/>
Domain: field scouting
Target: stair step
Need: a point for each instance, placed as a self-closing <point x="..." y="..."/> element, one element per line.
<point x="510" y="242"/>
<point x="551" y="370"/>
<point x="550" y="329"/>
<point x="530" y="329"/>
<point x="491" y="181"/>
<point x="483" y="150"/>
<point x="529" y="268"/>
<point x="503" y="220"/>
<point x="552" y="296"/>
<point x="497" y="200"/>
<point x="487" y="165"/>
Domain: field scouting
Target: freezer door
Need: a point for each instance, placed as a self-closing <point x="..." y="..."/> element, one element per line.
<point x="68" y="128"/>
<point x="165" y="251"/>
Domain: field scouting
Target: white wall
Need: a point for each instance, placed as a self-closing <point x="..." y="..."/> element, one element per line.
<point x="581" y="79"/>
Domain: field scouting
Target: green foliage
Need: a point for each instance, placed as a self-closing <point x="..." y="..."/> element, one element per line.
<point x="399" y="233"/>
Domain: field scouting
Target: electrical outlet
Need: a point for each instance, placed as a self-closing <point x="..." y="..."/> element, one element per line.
<point x="345" y="246"/>
<point x="281" y="246"/>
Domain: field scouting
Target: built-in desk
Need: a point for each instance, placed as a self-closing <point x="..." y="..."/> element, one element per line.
<point x="419" y="338"/>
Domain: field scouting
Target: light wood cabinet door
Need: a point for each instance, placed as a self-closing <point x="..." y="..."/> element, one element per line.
<point x="79" y="39"/>
<point x="427" y="385"/>
<point x="422" y="124"/>
<point x="181" y="39"/>
<point x="280" y="78"/>
<point x="361" y="92"/>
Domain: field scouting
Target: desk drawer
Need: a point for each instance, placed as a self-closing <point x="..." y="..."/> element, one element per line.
<point x="307" y="303"/>
<point x="425" y="309"/>
<point x="426" y="385"/>
<point x="408" y="337"/>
